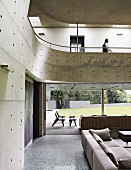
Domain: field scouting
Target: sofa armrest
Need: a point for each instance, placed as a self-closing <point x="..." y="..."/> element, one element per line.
<point x="101" y="161"/>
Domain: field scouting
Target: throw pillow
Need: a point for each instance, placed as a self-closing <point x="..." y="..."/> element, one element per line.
<point x="109" y="152"/>
<point x="103" y="133"/>
<point x="105" y="147"/>
<point x="97" y="138"/>
<point x="113" y="158"/>
<point x="125" y="163"/>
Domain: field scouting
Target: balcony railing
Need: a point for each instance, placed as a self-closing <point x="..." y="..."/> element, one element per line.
<point x="82" y="49"/>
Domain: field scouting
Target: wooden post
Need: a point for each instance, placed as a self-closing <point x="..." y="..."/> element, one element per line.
<point x="102" y="101"/>
<point x="39" y="113"/>
<point x="44" y="108"/>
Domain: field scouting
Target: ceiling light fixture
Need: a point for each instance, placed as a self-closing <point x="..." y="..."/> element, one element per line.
<point x="35" y="21"/>
<point x="120" y="26"/>
<point x="75" y="25"/>
<point x="41" y="33"/>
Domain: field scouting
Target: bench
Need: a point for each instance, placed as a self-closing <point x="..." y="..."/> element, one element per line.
<point x="125" y="136"/>
<point x="58" y="118"/>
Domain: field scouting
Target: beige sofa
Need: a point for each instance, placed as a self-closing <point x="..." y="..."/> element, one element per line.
<point x="97" y="157"/>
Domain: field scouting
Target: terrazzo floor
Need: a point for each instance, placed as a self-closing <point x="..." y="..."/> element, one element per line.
<point x="56" y="152"/>
<point x="60" y="149"/>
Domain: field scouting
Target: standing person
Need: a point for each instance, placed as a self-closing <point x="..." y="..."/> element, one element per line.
<point x="105" y="46"/>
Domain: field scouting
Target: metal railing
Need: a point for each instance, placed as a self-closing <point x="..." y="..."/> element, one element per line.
<point x="81" y="49"/>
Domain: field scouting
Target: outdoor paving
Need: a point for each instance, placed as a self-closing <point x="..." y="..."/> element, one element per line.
<point x="58" y="127"/>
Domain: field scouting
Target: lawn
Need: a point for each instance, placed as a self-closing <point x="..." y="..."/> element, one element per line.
<point x="111" y="110"/>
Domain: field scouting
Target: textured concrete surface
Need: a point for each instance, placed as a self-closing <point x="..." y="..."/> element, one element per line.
<point x="83" y="12"/>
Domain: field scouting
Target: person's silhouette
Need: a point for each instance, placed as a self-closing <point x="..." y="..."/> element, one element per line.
<point x="105" y="46"/>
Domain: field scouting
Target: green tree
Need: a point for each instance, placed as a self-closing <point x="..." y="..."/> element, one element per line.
<point x="129" y="98"/>
<point x="94" y="96"/>
<point x="105" y="97"/>
<point x="116" y="96"/>
<point x="59" y="96"/>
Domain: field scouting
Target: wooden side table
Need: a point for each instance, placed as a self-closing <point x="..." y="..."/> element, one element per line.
<point x="72" y="119"/>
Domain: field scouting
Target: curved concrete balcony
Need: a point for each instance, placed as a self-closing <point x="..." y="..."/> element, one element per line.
<point x="91" y="67"/>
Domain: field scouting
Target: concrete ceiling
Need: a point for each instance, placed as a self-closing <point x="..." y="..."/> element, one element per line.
<point x="57" y="13"/>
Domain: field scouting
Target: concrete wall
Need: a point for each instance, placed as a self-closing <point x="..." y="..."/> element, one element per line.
<point x="79" y="104"/>
<point x="13" y="51"/>
<point x="51" y="104"/>
<point x="12" y="117"/>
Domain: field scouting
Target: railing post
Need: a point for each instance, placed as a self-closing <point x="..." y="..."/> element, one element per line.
<point x="77" y="37"/>
<point x="116" y="48"/>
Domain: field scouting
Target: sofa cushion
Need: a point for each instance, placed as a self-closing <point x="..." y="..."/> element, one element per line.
<point x="97" y="138"/>
<point x="112" y="143"/>
<point x="125" y="163"/>
<point x="103" y="133"/>
<point x="120" y="153"/>
<point x="104" y="147"/>
<point x="109" y="152"/>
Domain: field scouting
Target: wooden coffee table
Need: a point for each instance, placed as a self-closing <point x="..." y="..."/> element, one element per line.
<point x="125" y="136"/>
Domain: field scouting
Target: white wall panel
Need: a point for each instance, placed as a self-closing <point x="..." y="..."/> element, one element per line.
<point x="94" y="37"/>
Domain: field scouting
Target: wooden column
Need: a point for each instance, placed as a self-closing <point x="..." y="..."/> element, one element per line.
<point x="41" y="113"/>
<point x="102" y="101"/>
<point x="44" y="109"/>
<point x="39" y="110"/>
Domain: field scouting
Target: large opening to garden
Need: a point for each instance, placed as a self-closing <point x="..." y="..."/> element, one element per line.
<point x="80" y="100"/>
